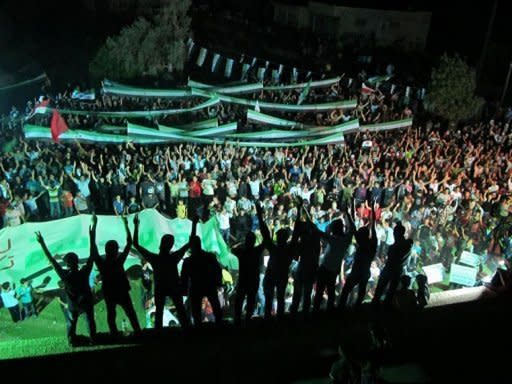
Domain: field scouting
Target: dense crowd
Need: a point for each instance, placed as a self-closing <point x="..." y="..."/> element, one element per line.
<point x="436" y="191"/>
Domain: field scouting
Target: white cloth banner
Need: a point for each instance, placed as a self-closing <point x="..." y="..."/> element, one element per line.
<point x="229" y="67"/>
<point x="215" y="60"/>
<point x="201" y="57"/>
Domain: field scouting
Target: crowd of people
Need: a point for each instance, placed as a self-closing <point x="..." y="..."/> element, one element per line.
<point x="364" y="212"/>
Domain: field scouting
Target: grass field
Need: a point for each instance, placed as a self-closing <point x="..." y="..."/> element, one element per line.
<point x="46" y="334"/>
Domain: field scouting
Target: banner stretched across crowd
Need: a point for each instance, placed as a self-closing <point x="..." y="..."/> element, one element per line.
<point x="221" y="134"/>
<point x="25" y="259"/>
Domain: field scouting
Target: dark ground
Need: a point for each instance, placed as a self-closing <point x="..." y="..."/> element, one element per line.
<point x="463" y="343"/>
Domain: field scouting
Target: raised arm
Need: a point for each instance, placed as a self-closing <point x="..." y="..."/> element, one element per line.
<point x="129" y="242"/>
<point x="94" y="254"/>
<point x="143" y="251"/>
<point x="47" y="253"/>
<point x="263" y="227"/>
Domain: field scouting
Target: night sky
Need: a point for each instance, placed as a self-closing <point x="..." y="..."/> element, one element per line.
<point x="61" y="34"/>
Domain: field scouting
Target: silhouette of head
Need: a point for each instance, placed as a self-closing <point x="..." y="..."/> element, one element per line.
<point x="166" y="243"/>
<point x="421" y="280"/>
<point x="405" y="281"/>
<point x="195" y="245"/>
<point x="399" y="231"/>
<point x="111" y="249"/>
<point x="71" y="260"/>
<point x="282" y="236"/>
<point x="337" y="227"/>
<point x="250" y="240"/>
<point x="362" y="235"/>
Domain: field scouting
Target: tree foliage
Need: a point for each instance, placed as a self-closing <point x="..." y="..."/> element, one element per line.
<point x="146" y="47"/>
<point x="452" y="90"/>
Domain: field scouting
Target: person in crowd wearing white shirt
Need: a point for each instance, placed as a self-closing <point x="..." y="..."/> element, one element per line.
<point x="224" y="226"/>
<point x="10" y="301"/>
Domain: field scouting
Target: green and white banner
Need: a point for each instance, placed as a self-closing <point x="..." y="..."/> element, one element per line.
<point x="44" y="133"/>
<point x="136" y="132"/>
<point x="263" y="118"/>
<point x="25" y="258"/>
<point x="397" y="124"/>
<point x="120" y="114"/>
<point x="226" y="88"/>
<point x="345" y="104"/>
<point x="349" y="126"/>
<point x="110" y="87"/>
<point x="210" y="123"/>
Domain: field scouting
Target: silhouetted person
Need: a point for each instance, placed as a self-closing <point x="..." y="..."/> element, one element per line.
<point x="281" y="256"/>
<point x="338" y="241"/>
<point x="165" y="273"/>
<point x="115" y="285"/>
<point x="202" y="275"/>
<point x="308" y="250"/>
<point x="423" y="292"/>
<point x="76" y="285"/>
<point x="250" y="264"/>
<point x="397" y="256"/>
<point x="366" y="239"/>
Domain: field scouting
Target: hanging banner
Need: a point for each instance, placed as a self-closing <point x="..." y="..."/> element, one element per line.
<point x="295" y="75"/>
<point x="190" y="45"/>
<point x="245" y="71"/>
<point x="229" y="67"/>
<point x="215" y="59"/>
<point x="261" y="73"/>
<point x="201" y="57"/>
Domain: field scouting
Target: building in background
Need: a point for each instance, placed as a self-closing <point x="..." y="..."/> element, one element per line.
<point x="137" y="7"/>
<point x="407" y="30"/>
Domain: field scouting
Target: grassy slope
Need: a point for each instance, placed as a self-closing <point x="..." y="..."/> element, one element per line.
<point x="46" y="334"/>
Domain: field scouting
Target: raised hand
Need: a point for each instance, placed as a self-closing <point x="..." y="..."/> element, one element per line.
<point x="39" y="238"/>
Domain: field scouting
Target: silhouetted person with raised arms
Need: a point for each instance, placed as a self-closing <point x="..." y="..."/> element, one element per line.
<point x="165" y="273"/>
<point x="250" y="264"/>
<point x="390" y="275"/>
<point x="202" y="275"/>
<point x="76" y="285"/>
<point x="338" y="240"/>
<point x="115" y="285"/>
<point x="308" y="251"/>
<point x="281" y="256"/>
<point x="366" y="239"/>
